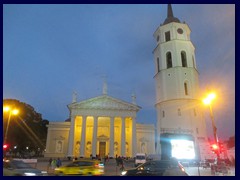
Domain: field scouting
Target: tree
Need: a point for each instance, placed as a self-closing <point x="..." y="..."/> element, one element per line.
<point x="27" y="129"/>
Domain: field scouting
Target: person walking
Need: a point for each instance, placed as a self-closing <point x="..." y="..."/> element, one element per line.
<point x="49" y="164"/>
<point x="54" y="164"/>
<point x="120" y="162"/>
<point x="59" y="162"/>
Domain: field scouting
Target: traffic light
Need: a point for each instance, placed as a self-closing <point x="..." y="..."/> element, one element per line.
<point x="215" y="148"/>
<point x="5" y="146"/>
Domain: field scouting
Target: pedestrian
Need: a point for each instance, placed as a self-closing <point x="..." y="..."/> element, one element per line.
<point x="59" y="162"/>
<point x="120" y="161"/>
<point x="49" y="163"/>
<point x="54" y="163"/>
<point x="117" y="161"/>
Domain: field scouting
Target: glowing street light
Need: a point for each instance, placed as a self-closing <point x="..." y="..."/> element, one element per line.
<point x="11" y="112"/>
<point x="208" y="101"/>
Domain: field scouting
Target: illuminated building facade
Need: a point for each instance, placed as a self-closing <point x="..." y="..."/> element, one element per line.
<point x="179" y="110"/>
<point x="100" y="126"/>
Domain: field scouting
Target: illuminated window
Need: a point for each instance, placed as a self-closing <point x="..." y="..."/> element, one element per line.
<point x="179" y="112"/>
<point x="184" y="59"/>
<point x="158" y="65"/>
<point x="169" y="60"/>
<point x="185" y="88"/>
<point x="167" y="36"/>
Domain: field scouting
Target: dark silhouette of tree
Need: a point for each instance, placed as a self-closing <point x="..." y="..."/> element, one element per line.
<point x="26" y="129"/>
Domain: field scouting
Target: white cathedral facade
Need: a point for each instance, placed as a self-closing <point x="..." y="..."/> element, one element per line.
<point x="105" y="125"/>
<point x="101" y="126"/>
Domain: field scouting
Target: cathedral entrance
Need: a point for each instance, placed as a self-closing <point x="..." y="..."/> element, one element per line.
<point x="102" y="149"/>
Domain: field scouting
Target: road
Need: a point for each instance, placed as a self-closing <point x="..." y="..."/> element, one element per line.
<point x="112" y="170"/>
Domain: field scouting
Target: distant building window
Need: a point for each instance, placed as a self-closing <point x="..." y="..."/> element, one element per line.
<point x="167" y="36"/>
<point x="169" y="60"/>
<point x="163" y="114"/>
<point x="179" y="112"/>
<point x="185" y="89"/>
<point x="158" y="65"/>
<point x="158" y="38"/>
<point x="194" y="111"/>
<point x="184" y="59"/>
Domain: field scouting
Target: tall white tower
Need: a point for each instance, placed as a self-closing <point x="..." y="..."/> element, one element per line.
<point x="179" y="110"/>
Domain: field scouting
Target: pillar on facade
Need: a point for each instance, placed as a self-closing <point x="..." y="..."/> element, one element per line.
<point x="71" y="137"/>
<point x="83" y="136"/>
<point x="94" y="139"/>
<point x="111" y="146"/>
<point x="123" y="140"/>
<point x="134" y="139"/>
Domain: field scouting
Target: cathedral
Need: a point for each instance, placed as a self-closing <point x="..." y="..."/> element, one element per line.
<point x="100" y="126"/>
<point x="105" y="125"/>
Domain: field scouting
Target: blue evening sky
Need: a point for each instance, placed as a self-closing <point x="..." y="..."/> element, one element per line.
<point x="49" y="51"/>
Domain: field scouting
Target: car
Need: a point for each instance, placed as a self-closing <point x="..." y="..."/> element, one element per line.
<point x="140" y="159"/>
<point x="157" y="168"/>
<point x="19" y="168"/>
<point x="81" y="167"/>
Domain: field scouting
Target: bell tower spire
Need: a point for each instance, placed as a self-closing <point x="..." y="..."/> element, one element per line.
<point x="169" y="11"/>
<point x="170" y="18"/>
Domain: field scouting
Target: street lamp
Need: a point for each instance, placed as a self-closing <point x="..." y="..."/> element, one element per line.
<point x="11" y="112"/>
<point x="207" y="101"/>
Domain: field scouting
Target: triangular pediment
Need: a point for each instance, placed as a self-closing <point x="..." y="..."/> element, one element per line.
<point x="105" y="102"/>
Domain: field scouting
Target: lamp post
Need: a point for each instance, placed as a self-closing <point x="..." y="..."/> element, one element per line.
<point x="207" y="101"/>
<point x="11" y="112"/>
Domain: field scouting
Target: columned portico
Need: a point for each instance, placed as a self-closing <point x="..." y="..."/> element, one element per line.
<point x="100" y="127"/>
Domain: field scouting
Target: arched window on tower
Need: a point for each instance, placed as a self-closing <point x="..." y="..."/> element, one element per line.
<point x="184" y="59"/>
<point x="185" y="88"/>
<point x="158" y="65"/>
<point x="169" y="60"/>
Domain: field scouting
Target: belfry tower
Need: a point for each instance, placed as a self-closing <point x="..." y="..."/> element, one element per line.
<point x="179" y="110"/>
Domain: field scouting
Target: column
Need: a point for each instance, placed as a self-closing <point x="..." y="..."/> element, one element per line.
<point x="83" y="136"/>
<point x="94" y="139"/>
<point x="71" y="137"/>
<point x="134" y="139"/>
<point x="111" y="146"/>
<point x="123" y="140"/>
